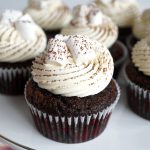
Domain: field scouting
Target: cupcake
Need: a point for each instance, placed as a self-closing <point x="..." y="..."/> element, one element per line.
<point x="72" y="94"/>
<point x="88" y="20"/>
<point x="122" y="13"/>
<point x="137" y="73"/>
<point x="141" y="29"/>
<point x="51" y="15"/>
<point x="20" y="41"/>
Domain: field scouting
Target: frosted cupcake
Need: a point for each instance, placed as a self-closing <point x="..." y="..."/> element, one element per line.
<point x="137" y="74"/>
<point x="141" y="29"/>
<point x="122" y="12"/>
<point x="88" y="20"/>
<point x="51" y="15"/>
<point x="72" y="93"/>
<point x="20" y="41"/>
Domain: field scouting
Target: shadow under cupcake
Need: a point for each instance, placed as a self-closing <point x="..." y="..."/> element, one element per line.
<point x="72" y="95"/>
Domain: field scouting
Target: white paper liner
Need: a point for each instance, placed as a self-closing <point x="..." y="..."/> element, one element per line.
<point x="13" y="80"/>
<point x="138" y="98"/>
<point x="72" y="129"/>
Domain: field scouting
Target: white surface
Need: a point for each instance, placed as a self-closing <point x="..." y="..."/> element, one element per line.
<point x="125" y="130"/>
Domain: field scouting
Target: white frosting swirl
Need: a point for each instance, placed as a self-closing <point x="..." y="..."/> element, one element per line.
<point x="141" y="28"/>
<point x="73" y="66"/>
<point x="89" y="21"/>
<point x="141" y="55"/>
<point x="122" y="12"/>
<point x="49" y="14"/>
<point x="20" y="38"/>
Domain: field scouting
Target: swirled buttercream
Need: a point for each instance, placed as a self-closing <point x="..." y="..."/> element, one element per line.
<point x="141" y="27"/>
<point x="141" y="55"/>
<point x="20" y="38"/>
<point x="73" y="66"/>
<point x="88" y="20"/>
<point x="122" y="12"/>
<point x="49" y="14"/>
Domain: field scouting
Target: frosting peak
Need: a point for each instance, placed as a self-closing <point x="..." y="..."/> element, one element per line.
<point x="87" y="14"/>
<point x="73" y="66"/>
<point x="8" y="17"/>
<point x="122" y="12"/>
<point x="21" y="39"/>
<point x="23" y="23"/>
<point x="141" y="55"/>
<point x="41" y="4"/>
<point x="49" y="14"/>
<point x="89" y="21"/>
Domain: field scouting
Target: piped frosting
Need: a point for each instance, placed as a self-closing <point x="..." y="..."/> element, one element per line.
<point x="20" y="38"/>
<point x="122" y="12"/>
<point x="141" y="28"/>
<point x="141" y="55"/>
<point x="49" y="14"/>
<point x="73" y="66"/>
<point x="88" y="20"/>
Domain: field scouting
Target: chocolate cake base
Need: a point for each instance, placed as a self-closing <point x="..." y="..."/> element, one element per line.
<point x="13" y="77"/>
<point x="57" y="105"/>
<point x="51" y="34"/>
<point x="119" y="54"/>
<point x="71" y="119"/>
<point x="131" y="40"/>
<point x="138" y="91"/>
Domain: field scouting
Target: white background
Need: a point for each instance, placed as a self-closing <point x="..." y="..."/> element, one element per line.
<point x="20" y="4"/>
<point x="125" y="131"/>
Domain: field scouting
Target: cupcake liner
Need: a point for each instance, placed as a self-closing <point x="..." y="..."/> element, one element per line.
<point x="119" y="63"/>
<point x="75" y="129"/>
<point x="138" y="98"/>
<point x="12" y="80"/>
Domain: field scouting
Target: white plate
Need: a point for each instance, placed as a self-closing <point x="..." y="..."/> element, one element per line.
<point x="125" y="130"/>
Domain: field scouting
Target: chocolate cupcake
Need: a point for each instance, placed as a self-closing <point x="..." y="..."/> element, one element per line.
<point x="21" y="40"/>
<point x="137" y="74"/>
<point x="141" y="29"/>
<point x="72" y="93"/>
<point x="88" y="20"/>
<point x="122" y="13"/>
<point x="51" y="15"/>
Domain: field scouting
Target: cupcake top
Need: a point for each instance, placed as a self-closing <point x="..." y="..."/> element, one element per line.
<point x="141" y="28"/>
<point x="141" y="55"/>
<point x="49" y="14"/>
<point x="122" y="12"/>
<point x="20" y="38"/>
<point x="88" y="20"/>
<point x="73" y="66"/>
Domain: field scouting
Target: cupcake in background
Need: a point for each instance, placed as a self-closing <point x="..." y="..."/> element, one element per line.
<point x="72" y="93"/>
<point x="122" y="12"/>
<point x="141" y="29"/>
<point x="20" y="41"/>
<point x="51" y="15"/>
<point x="89" y="21"/>
<point x="137" y="73"/>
